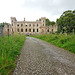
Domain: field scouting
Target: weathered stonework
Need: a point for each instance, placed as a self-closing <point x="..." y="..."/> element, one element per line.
<point x="29" y="27"/>
<point x="1" y="31"/>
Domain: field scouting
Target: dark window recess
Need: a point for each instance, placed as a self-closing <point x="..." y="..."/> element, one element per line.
<point x="37" y="30"/>
<point x="12" y="24"/>
<point x="25" y="30"/>
<point x="37" y="25"/>
<point x="12" y="30"/>
<point x="48" y="30"/>
<point x="21" y="25"/>
<point x="17" y="30"/>
<point x="33" y="30"/>
<point x="43" y="20"/>
<point x="43" y="24"/>
<point x="8" y="30"/>
<point x="18" y="25"/>
<point x="29" y="30"/>
<point x="26" y="25"/>
<point x="52" y="30"/>
<point x="21" y="30"/>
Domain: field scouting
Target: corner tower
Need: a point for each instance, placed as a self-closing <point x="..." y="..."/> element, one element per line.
<point x="13" y="19"/>
<point x="43" y="21"/>
<point x="13" y="26"/>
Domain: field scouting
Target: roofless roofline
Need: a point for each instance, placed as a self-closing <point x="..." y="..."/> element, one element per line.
<point x="27" y="21"/>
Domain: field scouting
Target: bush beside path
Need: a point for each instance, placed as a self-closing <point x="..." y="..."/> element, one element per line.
<point x="9" y="50"/>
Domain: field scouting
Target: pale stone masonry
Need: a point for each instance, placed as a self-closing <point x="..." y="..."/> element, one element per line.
<point x="29" y="27"/>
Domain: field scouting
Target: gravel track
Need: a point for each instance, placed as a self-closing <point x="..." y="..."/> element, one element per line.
<point x="41" y="58"/>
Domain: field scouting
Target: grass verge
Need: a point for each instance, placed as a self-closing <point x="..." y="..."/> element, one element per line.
<point x="61" y="40"/>
<point x="9" y="50"/>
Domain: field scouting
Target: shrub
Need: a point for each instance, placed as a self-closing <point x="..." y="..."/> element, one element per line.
<point x="9" y="50"/>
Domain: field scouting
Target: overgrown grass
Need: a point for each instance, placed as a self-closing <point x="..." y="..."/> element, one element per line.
<point x="9" y="50"/>
<point x="61" y="40"/>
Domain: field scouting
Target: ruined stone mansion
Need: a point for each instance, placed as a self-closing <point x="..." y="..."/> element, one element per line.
<point x="29" y="27"/>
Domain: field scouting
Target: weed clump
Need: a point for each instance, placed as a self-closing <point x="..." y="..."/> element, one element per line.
<point x="9" y="50"/>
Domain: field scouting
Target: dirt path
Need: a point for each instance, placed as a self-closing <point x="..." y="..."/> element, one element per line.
<point x="41" y="58"/>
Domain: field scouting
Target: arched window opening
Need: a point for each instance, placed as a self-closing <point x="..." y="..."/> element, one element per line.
<point x="48" y="30"/>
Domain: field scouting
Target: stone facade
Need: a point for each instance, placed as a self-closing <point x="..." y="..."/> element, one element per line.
<point x="29" y="27"/>
<point x="1" y="31"/>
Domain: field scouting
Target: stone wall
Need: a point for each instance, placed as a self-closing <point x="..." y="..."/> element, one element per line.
<point x="1" y="31"/>
<point x="29" y="27"/>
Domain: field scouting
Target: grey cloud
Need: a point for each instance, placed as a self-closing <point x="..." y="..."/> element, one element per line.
<point x="54" y="7"/>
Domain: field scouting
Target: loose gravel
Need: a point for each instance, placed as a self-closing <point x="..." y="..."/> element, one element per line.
<point x="41" y="58"/>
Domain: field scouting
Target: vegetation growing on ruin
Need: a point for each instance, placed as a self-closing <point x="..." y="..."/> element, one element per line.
<point x="61" y="40"/>
<point x="9" y="50"/>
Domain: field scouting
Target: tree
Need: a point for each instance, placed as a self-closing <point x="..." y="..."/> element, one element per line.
<point x="2" y="24"/>
<point x="66" y="22"/>
<point x="52" y="23"/>
<point x="47" y="22"/>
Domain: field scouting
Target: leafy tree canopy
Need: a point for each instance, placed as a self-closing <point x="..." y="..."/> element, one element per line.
<point x="48" y="22"/>
<point x="2" y="24"/>
<point x="66" y="22"/>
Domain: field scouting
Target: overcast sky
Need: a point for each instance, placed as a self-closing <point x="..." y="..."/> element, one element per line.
<point x="34" y="9"/>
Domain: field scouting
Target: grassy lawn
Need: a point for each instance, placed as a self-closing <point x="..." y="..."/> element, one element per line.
<point x="9" y="50"/>
<point x="61" y="40"/>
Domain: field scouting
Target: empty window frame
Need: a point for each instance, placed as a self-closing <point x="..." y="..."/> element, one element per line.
<point x="21" y="25"/>
<point x="37" y="25"/>
<point x="25" y="30"/>
<point x="12" y="29"/>
<point x="17" y="25"/>
<point x="26" y="25"/>
<point x="21" y="30"/>
<point x="48" y="30"/>
<point x="8" y="30"/>
<point x="33" y="30"/>
<point x="37" y="30"/>
<point x="52" y="30"/>
<point x="17" y="30"/>
<point x="12" y="24"/>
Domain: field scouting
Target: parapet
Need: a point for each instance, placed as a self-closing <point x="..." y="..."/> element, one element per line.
<point x="13" y="18"/>
<point x="43" y="17"/>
